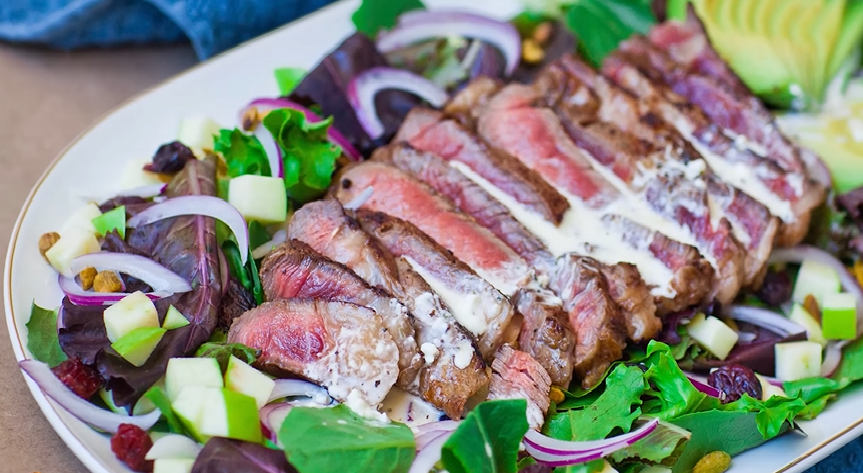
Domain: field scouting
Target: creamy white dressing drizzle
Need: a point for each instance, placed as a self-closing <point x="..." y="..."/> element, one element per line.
<point x="466" y="308"/>
<point x="581" y="232"/>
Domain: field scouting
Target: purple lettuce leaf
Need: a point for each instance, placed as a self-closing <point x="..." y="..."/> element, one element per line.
<point x="221" y="455"/>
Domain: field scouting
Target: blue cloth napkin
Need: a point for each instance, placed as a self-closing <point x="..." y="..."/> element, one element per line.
<point x="212" y="26"/>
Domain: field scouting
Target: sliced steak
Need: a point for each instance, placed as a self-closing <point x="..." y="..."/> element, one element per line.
<point x="633" y="297"/>
<point x="451" y="181"/>
<point x="516" y="375"/>
<point x="344" y="347"/>
<point x="295" y="270"/>
<point x="545" y="333"/>
<point x="428" y="130"/>
<point x="452" y="371"/>
<point x="600" y="331"/>
<point x="475" y="303"/>
<point x="400" y="195"/>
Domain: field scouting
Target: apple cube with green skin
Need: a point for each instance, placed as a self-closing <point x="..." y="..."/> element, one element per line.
<point x="839" y="317"/>
<point x="802" y="317"/>
<point x="218" y="412"/>
<point x="142" y="407"/>
<point x="174" y="319"/>
<point x="71" y="245"/>
<point x="797" y="360"/>
<point x="173" y="465"/>
<point x="137" y="345"/>
<point x="242" y="378"/>
<point x="130" y="313"/>
<point x="712" y="334"/>
<point x="816" y="279"/>
<point x="259" y="198"/>
<point x="134" y="175"/>
<point x="81" y="220"/>
<point x="184" y="372"/>
<point x="196" y="132"/>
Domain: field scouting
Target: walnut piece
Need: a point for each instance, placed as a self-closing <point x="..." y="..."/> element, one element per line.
<point x="107" y="281"/>
<point x="46" y="241"/>
<point x="88" y="275"/>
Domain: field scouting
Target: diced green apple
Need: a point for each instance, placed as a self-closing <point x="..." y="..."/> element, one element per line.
<point x="137" y="345"/>
<point x="803" y="318"/>
<point x="259" y="198"/>
<point x="174" y="319"/>
<point x="188" y="404"/>
<point x="173" y="446"/>
<point x="839" y="317"/>
<point x="81" y="220"/>
<point x="143" y="406"/>
<point x="183" y="372"/>
<point x="244" y="379"/>
<point x="769" y="390"/>
<point x="797" y="360"/>
<point x="230" y="414"/>
<point x="816" y="279"/>
<point x="134" y="175"/>
<point x="173" y="465"/>
<point x="71" y="245"/>
<point x="712" y="334"/>
<point x="132" y="312"/>
<point x="197" y="132"/>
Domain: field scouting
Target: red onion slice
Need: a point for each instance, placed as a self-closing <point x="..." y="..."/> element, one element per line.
<point x="365" y="86"/>
<point x="173" y="446"/>
<point x="273" y="416"/>
<point x="703" y="386"/>
<point x="205" y="205"/>
<point x="417" y="26"/>
<point x="559" y="453"/>
<point x="280" y="237"/>
<point x="85" y="411"/>
<point x="437" y="426"/>
<point x="160" y="278"/>
<point x="334" y="135"/>
<point x="798" y="254"/>
<point x="298" y="387"/>
<point x="832" y="357"/>
<point x="78" y="296"/>
<point x="272" y="150"/>
<point x="765" y="318"/>
<point x="429" y="455"/>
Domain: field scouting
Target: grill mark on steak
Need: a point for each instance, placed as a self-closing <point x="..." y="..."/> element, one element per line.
<point x="632" y="296"/>
<point x="295" y="270"/>
<point x="427" y="130"/>
<point x="342" y="346"/>
<point x="600" y="331"/>
<point x="516" y="375"/>
<point x="470" y="198"/>
<point x="476" y="298"/>
<point x="329" y="230"/>
<point x="400" y="195"/>
<point x="545" y="333"/>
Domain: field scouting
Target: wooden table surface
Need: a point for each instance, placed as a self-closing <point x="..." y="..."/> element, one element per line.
<point x="47" y="98"/>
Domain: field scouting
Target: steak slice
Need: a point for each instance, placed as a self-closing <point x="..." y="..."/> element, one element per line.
<point x="398" y="194"/>
<point x="545" y="333"/>
<point x="344" y="347"/>
<point x="329" y="230"/>
<point x="632" y="296"/>
<point x="447" y="139"/>
<point x="761" y="179"/>
<point x="295" y="270"/>
<point x="600" y="330"/>
<point x="515" y="375"/>
<point x="475" y="303"/>
<point x="469" y="197"/>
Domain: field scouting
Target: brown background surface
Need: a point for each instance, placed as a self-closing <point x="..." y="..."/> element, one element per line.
<point x="47" y="98"/>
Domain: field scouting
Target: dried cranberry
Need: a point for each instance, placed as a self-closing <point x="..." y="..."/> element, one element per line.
<point x="776" y="289"/>
<point x="83" y="380"/>
<point x="130" y="444"/>
<point x="170" y="158"/>
<point x="734" y="381"/>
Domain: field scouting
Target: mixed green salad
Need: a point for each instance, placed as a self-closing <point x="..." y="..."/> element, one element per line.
<point x="138" y="348"/>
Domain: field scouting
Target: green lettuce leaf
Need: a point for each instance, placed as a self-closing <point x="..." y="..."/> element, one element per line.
<point x="671" y="392"/>
<point x="730" y="432"/>
<point x="222" y="352"/>
<point x="851" y="367"/>
<point x="288" y="78"/>
<point x="488" y="439"/>
<point x="111" y="220"/>
<point x="595" y="466"/>
<point x="247" y="275"/>
<point x="662" y="447"/>
<point x="336" y="439"/>
<point x="375" y="15"/>
<point x="243" y="153"/>
<point x="308" y="155"/>
<point x="600" y="25"/>
<point x="258" y="234"/>
<point x="42" y="338"/>
<point x="157" y="396"/>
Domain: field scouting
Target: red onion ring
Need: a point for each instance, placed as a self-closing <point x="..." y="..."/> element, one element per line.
<point x="280" y="237"/>
<point x="80" y="408"/>
<point x="429" y="455"/>
<point x="417" y="26"/>
<point x="805" y="252"/>
<point x="78" y="296"/>
<point x="558" y="453"/>
<point x="703" y="386"/>
<point x="363" y="88"/>
<point x="160" y="278"/>
<point x="832" y="357"/>
<point x="208" y="206"/>
<point x="272" y="416"/>
<point x="765" y="318"/>
<point x="334" y="135"/>
<point x="298" y="387"/>
<point x="272" y="150"/>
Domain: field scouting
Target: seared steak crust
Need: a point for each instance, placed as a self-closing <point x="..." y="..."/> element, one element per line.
<point x="516" y="375"/>
<point x="545" y="333"/>
<point x="632" y="296"/>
